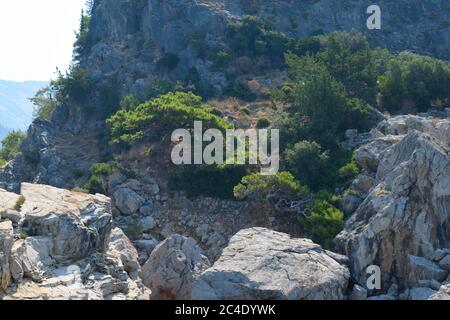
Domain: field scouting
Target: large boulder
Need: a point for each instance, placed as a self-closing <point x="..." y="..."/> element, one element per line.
<point x="260" y="264"/>
<point x="6" y="241"/>
<point x="405" y="220"/>
<point x="7" y="201"/>
<point x="121" y="247"/>
<point x="77" y="223"/>
<point x="31" y="258"/>
<point x="173" y="268"/>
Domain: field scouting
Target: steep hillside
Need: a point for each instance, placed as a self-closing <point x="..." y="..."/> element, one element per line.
<point x="143" y="68"/>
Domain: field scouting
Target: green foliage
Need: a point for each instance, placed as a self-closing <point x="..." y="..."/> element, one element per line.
<point x="19" y="203"/>
<point x="169" y="61"/>
<point x="323" y="223"/>
<point x="129" y="102"/>
<point x="158" y="87"/>
<point x="95" y="185"/>
<point x="253" y="37"/>
<point x="349" y="171"/>
<point x="349" y="59"/>
<point x="133" y="229"/>
<point x="74" y="85"/>
<point x="10" y="145"/>
<point x="162" y="115"/>
<point x="263" y="123"/>
<point x="308" y="163"/>
<point x="103" y="169"/>
<point x="257" y="187"/>
<point x="240" y="90"/>
<point x="81" y="44"/>
<point x="320" y="102"/>
<point x="210" y="181"/>
<point x="23" y="235"/>
<point x="415" y="80"/>
<point x="45" y="103"/>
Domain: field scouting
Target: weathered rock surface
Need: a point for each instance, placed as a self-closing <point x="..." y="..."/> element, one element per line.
<point x="263" y="264"/>
<point x="78" y="223"/>
<point x="404" y="222"/>
<point x="6" y="241"/>
<point x="121" y="247"/>
<point x="173" y="268"/>
<point x="68" y="250"/>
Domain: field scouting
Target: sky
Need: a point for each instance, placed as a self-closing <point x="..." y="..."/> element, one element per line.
<point x="36" y="37"/>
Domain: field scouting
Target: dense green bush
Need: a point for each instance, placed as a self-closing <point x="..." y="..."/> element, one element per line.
<point x="349" y="171"/>
<point x="103" y="169"/>
<point x="10" y="145"/>
<point x="240" y="90"/>
<point x="263" y="123"/>
<point x="309" y="163"/>
<point x="320" y="102"/>
<point x="162" y="115"/>
<point x="19" y="203"/>
<point x="44" y="102"/>
<point x="74" y="85"/>
<point x="81" y="44"/>
<point x="211" y="181"/>
<point x="169" y="61"/>
<point x="95" y="185"/>
<point x="416" y="81"/>
<point x="323" y="223"/>
<point x="257" y="187"/>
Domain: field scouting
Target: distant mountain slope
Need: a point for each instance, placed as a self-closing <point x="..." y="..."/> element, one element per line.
<point x="15" y="108"/>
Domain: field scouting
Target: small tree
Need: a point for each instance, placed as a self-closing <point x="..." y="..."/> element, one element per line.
<point x="11" y="145"/>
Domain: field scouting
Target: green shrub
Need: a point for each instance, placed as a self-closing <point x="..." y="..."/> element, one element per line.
<point x="257" y="187"/>
<point x="81" y="45"/>
<point x="75" y="85"/>
<point x="133" y="229"/>
<point x="10" y="145"/>
<point x="308" y="163"/>
<point x="103" y="169"/>
<point x="19" y="203"/>
<point x="240" y="90"/>
<point x="263" y="123"/>
<point x="45" y="103"/>
<point x="415" y="80"/>
<point x="169" y="61"/>
<point x="23" y="235"/>
<point x="316" y="97"/>
<point x="349" y="171"/>
<point x="161" y="116"/>
<point x="95" y="185"/>
<point x="129" y="102"/>
<point x="323" y="223"/>
<point x="210" y="181"/>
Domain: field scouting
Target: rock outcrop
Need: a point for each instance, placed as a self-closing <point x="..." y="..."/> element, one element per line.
<point x="261" y="264"/>
<point x="173" y="268"/>
<point x="6" y="241"/>
<point x="63" y="248"/>
<point x="404" y="222"/>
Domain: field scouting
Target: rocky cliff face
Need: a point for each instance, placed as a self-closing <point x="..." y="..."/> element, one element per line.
<point x="60" y="245"/>
<point x="403" y="223"/>
<point x="127" y="40"/>
<point x="130" y="36"/>
<point x="399" y="212"/>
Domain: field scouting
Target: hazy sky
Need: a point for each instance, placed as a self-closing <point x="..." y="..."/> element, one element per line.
<point x="36" y="36"/>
